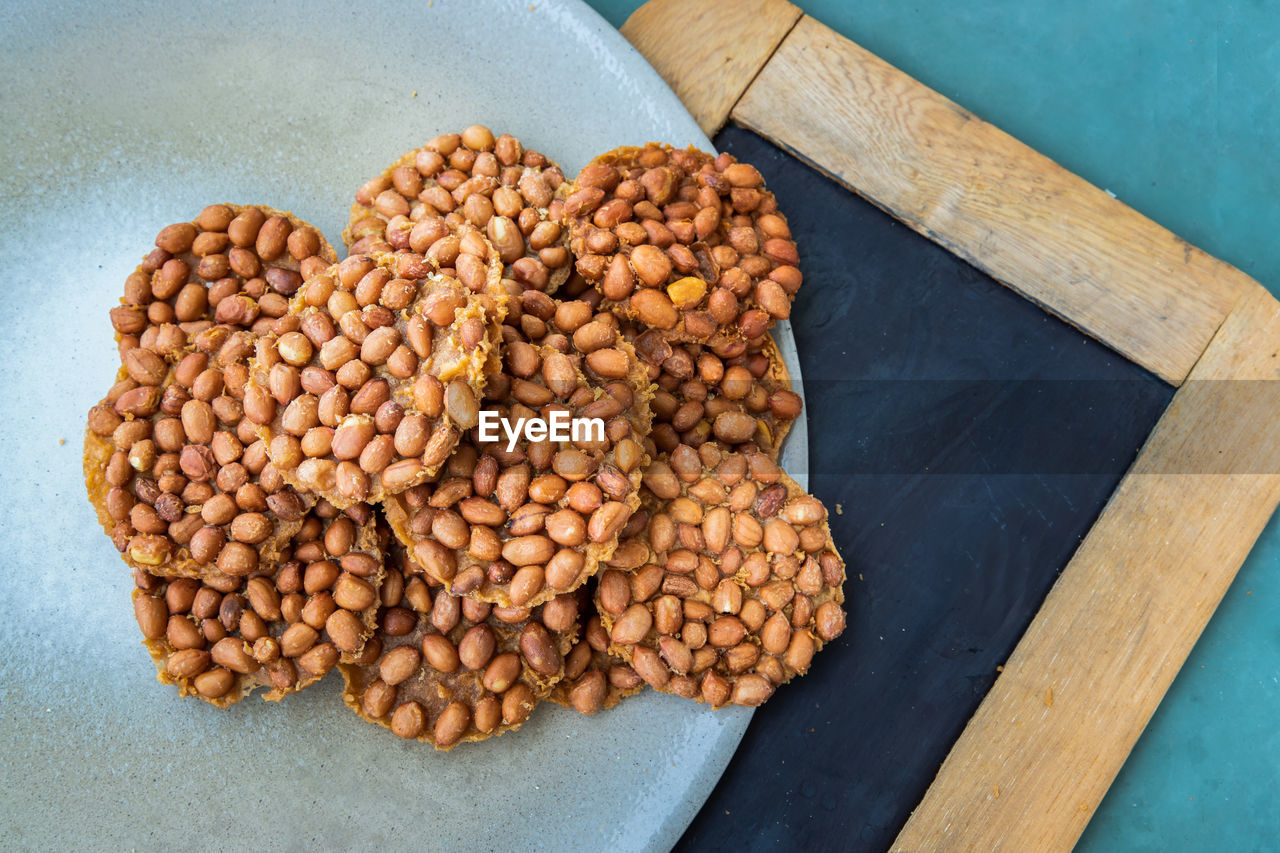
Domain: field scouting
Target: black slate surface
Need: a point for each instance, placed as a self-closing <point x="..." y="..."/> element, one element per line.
<point x="970" y="440"/>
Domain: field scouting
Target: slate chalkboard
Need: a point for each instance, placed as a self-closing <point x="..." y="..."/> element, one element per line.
<point x="968" y="440"/>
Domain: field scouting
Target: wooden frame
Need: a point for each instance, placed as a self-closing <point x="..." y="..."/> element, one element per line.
<point x="1037" y="757"/>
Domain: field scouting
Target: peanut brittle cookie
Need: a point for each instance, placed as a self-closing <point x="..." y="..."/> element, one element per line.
<point x="175" y="471"/>
<point x="519" y="519"/>
<point x="365" y="386"/>
<point x="701" y="396"/>
<point x="515" y="195"/>
<point x="234" y="265"/>
<point x="446" y="670"/>
<point x="172" y="468"/>
<point x="280" y="629"/>
<point x="743" y="585"/>
<point x="683" y="241"/>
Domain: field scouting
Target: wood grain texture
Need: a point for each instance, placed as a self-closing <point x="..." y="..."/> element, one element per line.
<point x="708" y="51"/>
<point x="1029" y="223"/>
<point x="1042" y="749"/>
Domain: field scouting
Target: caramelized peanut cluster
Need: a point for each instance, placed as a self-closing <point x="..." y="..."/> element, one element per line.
<point x="446" y="669"/>
<point x="514" y="194"/>
<point x="701" y="396"/>
<point x="364" y="387"/>
<point x="742" y="585"/>
<point x="174" y="469"/>
<point x="517" y="521"/>
<point x="684" y="242"/>
<point x="231" y="265"/>
<point x="223" y="637"/>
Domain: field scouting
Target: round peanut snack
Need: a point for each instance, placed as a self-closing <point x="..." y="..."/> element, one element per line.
<point x="221" y="638"/>
<point x="742" y="586"/>
<point x="703" y="397"/>
<point x="445" y="670"/>
<point x="180" y="481"/>
<point x="367" y="382"/>
<point x="516" y="521"/>
<point x="515" y="195"/>
<point x="685" y="242"/>
<point x="234" y="265"/>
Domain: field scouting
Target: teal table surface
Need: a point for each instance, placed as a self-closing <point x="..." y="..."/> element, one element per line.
<point x="1175" y="108"/>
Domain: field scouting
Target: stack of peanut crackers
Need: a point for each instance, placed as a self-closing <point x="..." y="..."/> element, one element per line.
<point x="520" y="444"/>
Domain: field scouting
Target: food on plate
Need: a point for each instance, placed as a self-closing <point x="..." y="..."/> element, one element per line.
<point x="519" y="445"/>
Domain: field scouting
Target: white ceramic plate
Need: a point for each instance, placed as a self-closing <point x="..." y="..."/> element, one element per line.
<point x="118" y="121"/>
